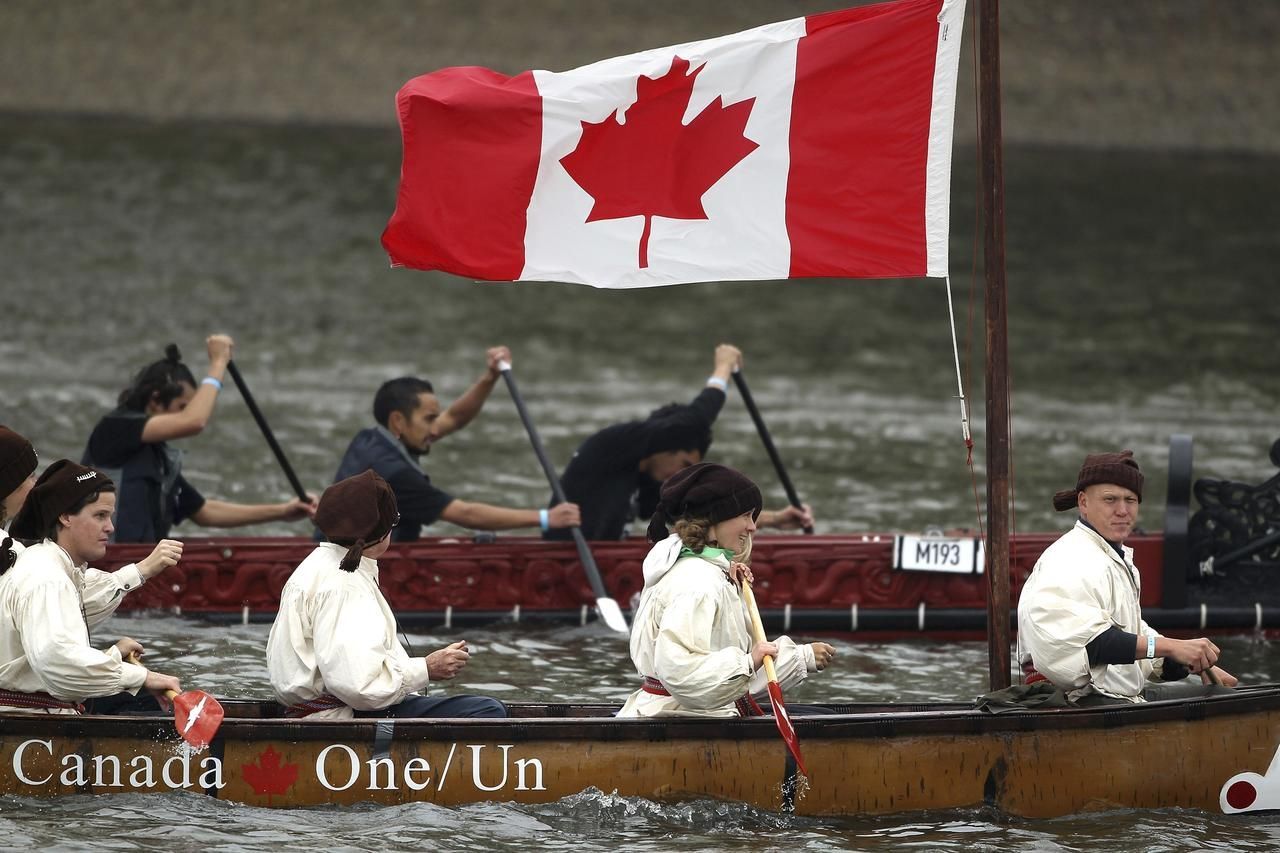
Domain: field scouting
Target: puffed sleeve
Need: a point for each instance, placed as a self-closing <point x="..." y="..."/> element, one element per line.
<point x="103" y="591"/>
<point x="56" y="643"/>
<point x="794" y="663"/>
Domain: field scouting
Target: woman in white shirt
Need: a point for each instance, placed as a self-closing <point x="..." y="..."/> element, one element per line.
<point x="691" y="639"/>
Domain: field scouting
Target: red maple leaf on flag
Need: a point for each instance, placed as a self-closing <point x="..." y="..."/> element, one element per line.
<point x="268" y="776"/>
<point x="654" y="164"/>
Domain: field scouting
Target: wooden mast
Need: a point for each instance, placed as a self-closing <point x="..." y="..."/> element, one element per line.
<point x="997" y="365"/>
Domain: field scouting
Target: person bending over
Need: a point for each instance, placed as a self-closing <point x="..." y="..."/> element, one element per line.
<point x="615" y="474"/>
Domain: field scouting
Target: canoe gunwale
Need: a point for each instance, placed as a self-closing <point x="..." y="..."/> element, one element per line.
<point x="874" y="721"/>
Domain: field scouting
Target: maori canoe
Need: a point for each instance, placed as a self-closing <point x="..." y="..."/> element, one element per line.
<point x="1215" y="571"/>
<point x="1213" y="754"/>
<point x="845" y="584"/>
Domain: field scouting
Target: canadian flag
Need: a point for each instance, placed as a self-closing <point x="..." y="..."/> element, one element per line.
<point x="819" y="146"/>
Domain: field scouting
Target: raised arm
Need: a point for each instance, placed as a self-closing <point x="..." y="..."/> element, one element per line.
<point x="462" y="410"/>
<point x="193" y="418"/>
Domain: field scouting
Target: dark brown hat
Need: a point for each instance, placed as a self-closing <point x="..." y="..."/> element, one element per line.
<point x="62" y="485"/>
<point x="356" y="512"/>
<point x="1119" y="469"/>
<point x="705" y="490"/>
<point x="17" y="461"/>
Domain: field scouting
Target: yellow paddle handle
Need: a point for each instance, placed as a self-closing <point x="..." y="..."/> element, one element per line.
<point x="757" y="628"/>
<point x="134" y="659"/>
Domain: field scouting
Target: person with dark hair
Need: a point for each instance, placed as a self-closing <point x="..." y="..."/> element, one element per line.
<point x="691" y="638"/>
<point x="131" y="444"/>
<point x="332" y="652"/>
<point x="409" y="422"/>
<point x="17" y="476"/>
<point x="614" y="475"/>
<point x="1080" y="622"/>
<point x="50" y="600"/>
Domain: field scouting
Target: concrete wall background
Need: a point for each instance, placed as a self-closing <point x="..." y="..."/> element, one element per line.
<point x="1184" y="74"/>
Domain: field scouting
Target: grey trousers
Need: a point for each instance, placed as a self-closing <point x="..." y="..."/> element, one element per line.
<point x="1188" y="688"/>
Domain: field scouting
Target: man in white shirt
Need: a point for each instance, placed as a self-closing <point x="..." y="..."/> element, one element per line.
<point x="50" y="599"/>
<point x="1080" y="623"/>
<point x="333" y="651"/>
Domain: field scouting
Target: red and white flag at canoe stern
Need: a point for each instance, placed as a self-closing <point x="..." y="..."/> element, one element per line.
<point x="819" y="146"/>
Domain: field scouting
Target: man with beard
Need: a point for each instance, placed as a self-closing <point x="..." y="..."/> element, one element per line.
<point x="409" y="421"/>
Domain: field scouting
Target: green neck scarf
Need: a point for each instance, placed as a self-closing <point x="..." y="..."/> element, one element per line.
<point x="708" y="553"/>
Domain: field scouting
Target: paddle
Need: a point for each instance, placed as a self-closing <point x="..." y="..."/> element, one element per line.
<point x="780" y="715"/>
<point x="607" y="607"/>
<point x="266" y="432"/>
<point x="196" y="714"/>
<point x="767" y="440"/>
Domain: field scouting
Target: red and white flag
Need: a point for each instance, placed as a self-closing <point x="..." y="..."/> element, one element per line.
<point x="818" y="146"/>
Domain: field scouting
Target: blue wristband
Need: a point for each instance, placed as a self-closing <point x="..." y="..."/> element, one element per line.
<point x="544" y="520"/>
<point x="719" y="383"/>
<point x="210" y="380"/>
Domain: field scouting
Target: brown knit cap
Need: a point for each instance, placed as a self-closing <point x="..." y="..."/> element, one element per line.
<point x="62" y="485"/>
<point x="705" y="490"/>
<point x="356" y="512"/>
<point x="17" y="461"/>
<point x="1119" y="469"/>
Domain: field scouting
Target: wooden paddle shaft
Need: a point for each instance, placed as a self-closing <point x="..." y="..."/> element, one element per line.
<point x="266" y="431"/>
<point x="553" y="479"/>
<point x="757" y="628"/>
<point x="767" y="440"/>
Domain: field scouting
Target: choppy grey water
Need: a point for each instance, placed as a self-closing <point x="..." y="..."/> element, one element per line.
<point x="1140" y="305"/>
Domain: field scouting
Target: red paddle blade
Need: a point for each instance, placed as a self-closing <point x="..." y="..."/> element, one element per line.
<point x="788" y="731"/>
<point x="197" y="716"/>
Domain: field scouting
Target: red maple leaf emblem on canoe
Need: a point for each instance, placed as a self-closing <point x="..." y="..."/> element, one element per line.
<point x="268" y="776"/>
<point x="654" y="164"/>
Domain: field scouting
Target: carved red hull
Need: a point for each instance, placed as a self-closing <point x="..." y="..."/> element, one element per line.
<point x="835" y="583"/>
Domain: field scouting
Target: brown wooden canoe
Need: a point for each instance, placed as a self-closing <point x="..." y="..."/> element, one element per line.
<point x="867" y="759"/>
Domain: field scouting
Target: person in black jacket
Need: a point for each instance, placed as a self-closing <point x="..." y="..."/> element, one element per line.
<point x="614" y="475"/>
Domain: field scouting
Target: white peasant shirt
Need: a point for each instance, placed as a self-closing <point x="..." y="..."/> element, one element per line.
<point x="1078" y="589"/>
<point x="48" y="605"/>
<point x="335" y="634"/>
<point x="692" y="632"/>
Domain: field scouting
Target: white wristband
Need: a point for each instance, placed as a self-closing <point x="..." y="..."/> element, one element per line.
<point x="1151" y="646"/>
<point x="211" y="380"/>
<point x="719" y="383"/>
<point x="544" y="519"/>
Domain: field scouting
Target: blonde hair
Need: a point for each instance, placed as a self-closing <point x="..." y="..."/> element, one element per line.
<point x="695" y="534"/>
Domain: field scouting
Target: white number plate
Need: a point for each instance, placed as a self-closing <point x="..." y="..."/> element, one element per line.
<point x="938" y="554"/>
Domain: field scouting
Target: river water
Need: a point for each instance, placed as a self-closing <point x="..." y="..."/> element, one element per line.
<point x="1140" y="306"/>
